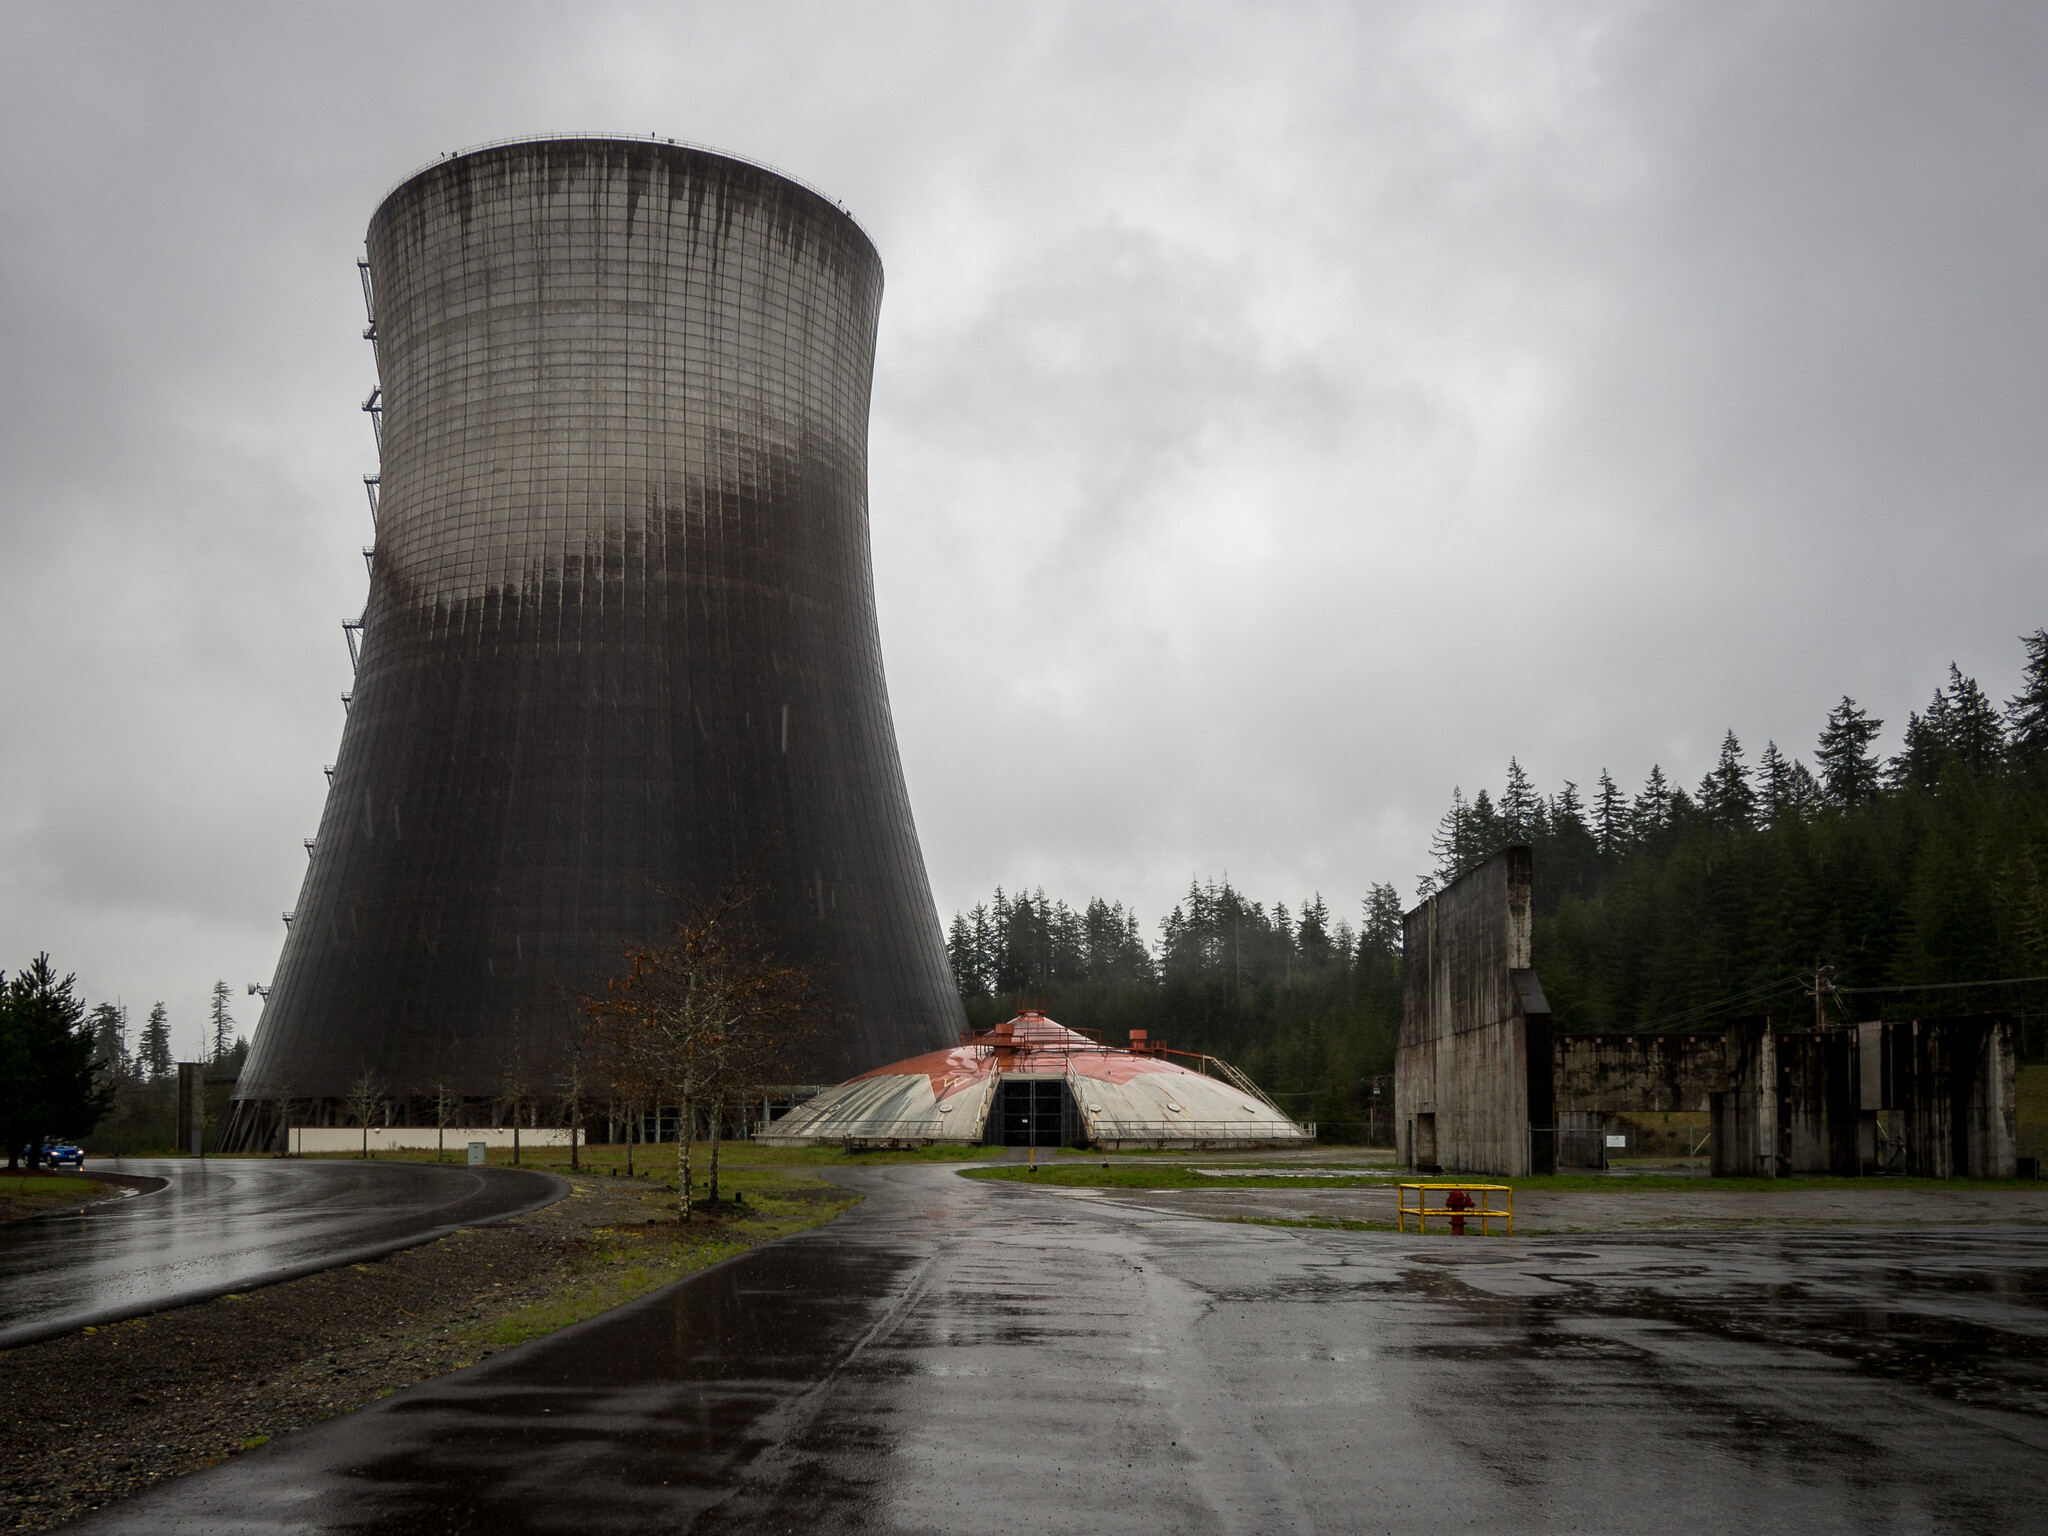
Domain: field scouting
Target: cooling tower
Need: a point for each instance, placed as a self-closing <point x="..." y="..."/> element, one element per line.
<point x="620" y="646"/>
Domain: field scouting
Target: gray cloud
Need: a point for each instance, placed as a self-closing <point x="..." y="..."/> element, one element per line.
<point x="1282" y="414"/>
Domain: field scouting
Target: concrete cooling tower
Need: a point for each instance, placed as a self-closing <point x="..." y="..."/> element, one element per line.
<point x="620" y="646"/>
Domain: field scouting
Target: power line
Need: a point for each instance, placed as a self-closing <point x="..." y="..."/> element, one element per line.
<point x="1946" y="986"/>
<point x="1705" y="1010"/>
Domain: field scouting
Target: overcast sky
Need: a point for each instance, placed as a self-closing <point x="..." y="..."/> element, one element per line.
<point x="1282" y="414"/>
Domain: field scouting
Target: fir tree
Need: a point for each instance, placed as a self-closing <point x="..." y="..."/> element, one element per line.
<point x="1384" y="922"/>
<point x="153" y="1051"/>
<point x="2026" y="712"/>
<point x="1610" y="817"/>
<point x="964" y="958"/>
<point x="1774" y="783"/>
<point x="1960" y="727"/>
<point x="1484" y="833"/>
<point x="49" y="1080"/>
<point x="1725" y="797"/>
<point x="1518" y="806"/>
<point x="1312" y="935"/>
<point x="1449" y="843"/>
<point x="223" y="1023"/>
<point x="109" y="1023"/>
<point x="1849" y="770"/>
<point x="1974" y="736"/>
<point x="1651" y="813"/>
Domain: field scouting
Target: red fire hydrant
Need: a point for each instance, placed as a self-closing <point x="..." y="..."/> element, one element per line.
<point x="1458" y="1203"/>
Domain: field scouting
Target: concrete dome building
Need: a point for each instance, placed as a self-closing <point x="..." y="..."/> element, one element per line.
<point x="1031" y="1082"/>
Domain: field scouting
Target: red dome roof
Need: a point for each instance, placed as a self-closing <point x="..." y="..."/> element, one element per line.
<point x="1029" y="1043"/>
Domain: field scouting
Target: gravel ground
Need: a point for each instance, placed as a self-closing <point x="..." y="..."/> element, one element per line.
<point x="96" y="1415"/>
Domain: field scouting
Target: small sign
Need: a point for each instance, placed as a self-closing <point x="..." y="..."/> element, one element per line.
<point x="476" y="1154"/>
<point x="1616" y="1141"/>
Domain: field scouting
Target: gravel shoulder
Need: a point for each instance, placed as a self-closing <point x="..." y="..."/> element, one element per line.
<point x="102" y="1413"/>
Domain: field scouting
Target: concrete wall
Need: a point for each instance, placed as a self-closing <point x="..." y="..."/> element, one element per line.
<point x="1933" y="1098"/>
<point x="1482" y="1084"/>
<point x="1943" y="1095"/>
<point x="1471" y="1008"/>
<point x="1657" y="1074"/>
<point x="392" y="1138"/>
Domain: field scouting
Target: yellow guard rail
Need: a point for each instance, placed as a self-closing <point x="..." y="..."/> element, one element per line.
<point x="1482" y="1209"/>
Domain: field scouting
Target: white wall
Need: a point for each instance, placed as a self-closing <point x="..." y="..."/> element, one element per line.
<point x="390" y="1138"/>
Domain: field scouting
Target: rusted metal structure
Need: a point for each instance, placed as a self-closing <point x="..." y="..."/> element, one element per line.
<point x="1035" y="1083"/>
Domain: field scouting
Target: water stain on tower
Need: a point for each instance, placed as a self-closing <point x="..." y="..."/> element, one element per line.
<point x="621" y="634"/>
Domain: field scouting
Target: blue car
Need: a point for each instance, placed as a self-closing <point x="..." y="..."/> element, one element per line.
<point x="57" y="1154"/>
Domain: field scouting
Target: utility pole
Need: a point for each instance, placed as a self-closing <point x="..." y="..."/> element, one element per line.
<point x="1822" y="977"/>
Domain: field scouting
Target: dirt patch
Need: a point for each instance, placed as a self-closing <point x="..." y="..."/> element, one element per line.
<point x="100" y="1414"/>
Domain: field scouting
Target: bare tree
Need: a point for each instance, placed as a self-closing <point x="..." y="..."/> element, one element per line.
<point x="573" y="1090"/>
<point x="515" y="1085"/>
<point x="693" y="1017"/>
<point x="284" y="1117"/>
<point x="366" y="1102"/>
<point x="445" y="1105"/>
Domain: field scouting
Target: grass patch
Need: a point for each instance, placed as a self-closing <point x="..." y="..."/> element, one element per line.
<point x="1162" y="1176"/>
<point x="627" y="1260"/>
<point x="47" y="1186"/>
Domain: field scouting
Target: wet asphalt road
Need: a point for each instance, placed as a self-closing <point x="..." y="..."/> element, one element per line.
<point x="229" y="1223"/>
<point x="956" y="1356"/>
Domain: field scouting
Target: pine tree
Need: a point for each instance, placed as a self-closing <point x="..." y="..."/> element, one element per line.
<point x="223" y="1023"/>
<point x="2026" y="712"/>
<point x="1518" y="806"/>
<point x="1960" y="727"/>
<point x="1849" y="770"/>
<point x="153" y="1051"/>
<point x="1449" y="843"/>
<point x="1725" y="794"/>
<point x="1384" y="922"/>
<point x="1651" y="813"/>
<point x="1974" y="736"/>
<point x="1610" y="816"/>
<point x="49" y="1082"/>
<point x="1807" y="795"/>
<point x="1774" y="781"/>
<point x="109" y="1023"/>
<point x="1483" y="833"/>
<point x="961" y="955"/>
<point x="1312" y="935"/>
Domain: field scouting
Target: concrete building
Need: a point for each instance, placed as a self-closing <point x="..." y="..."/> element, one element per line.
<point x="620" y="644"/>
<point x="1032" y="1082"/>
<point x="1471" y="1069"/>
<point x="1485" y="1082"/>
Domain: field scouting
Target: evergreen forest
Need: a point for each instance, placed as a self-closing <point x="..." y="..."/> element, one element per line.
<point x="1913" y="883"/>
